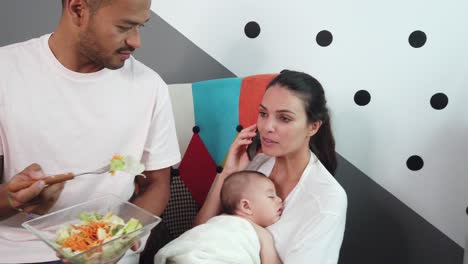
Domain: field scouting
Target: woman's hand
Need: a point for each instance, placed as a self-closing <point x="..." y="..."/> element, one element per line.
<point x="237" y="158"/>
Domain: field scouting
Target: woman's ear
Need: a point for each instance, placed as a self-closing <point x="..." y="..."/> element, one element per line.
<point x="245" y="206"/>
<point x="314" y="127"/>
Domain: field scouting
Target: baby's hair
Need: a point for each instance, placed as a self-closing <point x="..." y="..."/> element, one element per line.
<point x="234" y="187"/>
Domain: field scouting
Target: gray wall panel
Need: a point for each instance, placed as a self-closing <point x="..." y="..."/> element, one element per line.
<point x="25" y="19"/>
<point x="380" y="229"/>
<point x="175" y="57"/>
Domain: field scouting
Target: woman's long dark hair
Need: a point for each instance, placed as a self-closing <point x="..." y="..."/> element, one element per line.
<point x="311" y="93"/>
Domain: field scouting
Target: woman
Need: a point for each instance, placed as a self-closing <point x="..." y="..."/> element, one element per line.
<point x="298" y="154"/>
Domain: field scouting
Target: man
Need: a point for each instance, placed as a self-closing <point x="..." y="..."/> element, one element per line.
<point x="69" y="101"/>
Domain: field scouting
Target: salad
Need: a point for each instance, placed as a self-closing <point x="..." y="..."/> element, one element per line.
<point x="126" y="164"/>
<point x="93" y="230"/>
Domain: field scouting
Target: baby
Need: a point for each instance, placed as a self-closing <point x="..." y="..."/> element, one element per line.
<point x="249" y="204"/>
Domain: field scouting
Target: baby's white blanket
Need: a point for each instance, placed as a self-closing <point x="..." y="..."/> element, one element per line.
<point x="223" y="239"/>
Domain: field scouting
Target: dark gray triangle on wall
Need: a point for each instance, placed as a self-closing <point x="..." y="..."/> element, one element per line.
<point x="24" y="19"/>
<point x="175" y="57"/>
<point x="380" y="229"/>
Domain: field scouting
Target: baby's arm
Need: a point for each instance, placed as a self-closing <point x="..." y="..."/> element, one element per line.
<point x="268" y="254"/>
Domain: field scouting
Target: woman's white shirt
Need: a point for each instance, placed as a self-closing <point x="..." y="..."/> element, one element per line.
<point x="312" y="225"/>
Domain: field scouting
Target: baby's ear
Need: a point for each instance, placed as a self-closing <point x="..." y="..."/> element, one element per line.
<point x="244" y="206"/>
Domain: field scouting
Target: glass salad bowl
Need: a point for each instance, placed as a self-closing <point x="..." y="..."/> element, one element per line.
<point x="96" y="231"/>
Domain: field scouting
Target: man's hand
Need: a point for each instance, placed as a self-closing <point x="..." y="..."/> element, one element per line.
<point x="154" y="191"/>
<point x="36" y="198"/>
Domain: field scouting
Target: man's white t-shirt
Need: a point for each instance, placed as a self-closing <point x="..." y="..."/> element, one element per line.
<point x="73" y="122"/>
<point x="311" y="228"/>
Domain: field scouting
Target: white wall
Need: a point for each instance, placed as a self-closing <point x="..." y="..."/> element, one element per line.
<point x="370" y="51"/>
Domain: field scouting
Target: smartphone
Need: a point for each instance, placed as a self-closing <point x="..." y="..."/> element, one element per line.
<point x="253" y="148"/>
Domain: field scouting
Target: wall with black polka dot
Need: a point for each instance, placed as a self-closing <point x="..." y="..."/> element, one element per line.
<point x="394" y="73"/>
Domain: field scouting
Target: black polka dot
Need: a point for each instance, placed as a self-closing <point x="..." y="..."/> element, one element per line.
<point x="196" y="129"/>
<point x="239" y="128"/>
<point x="417" y="39"/>
<point x="362" y="97"/>
<point x="252" y="29"/>
<point x="415" y="163"/>
<point x="439" y="101"/>
<point x="324" y="38"/>
<point x="174" y="172"/>
<point x="467" y="210"/>
<point x="219" y="169"/>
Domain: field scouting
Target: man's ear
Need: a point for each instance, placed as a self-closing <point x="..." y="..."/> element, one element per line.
<point x="245" y="207"/>
<point x="314" y="127"/>
<point x="78" y="10"/>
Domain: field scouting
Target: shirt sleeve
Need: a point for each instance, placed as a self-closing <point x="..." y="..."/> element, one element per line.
<point x="161" y="148"/>
<point x="321" y="243"/>
<point x="2" y="151"/>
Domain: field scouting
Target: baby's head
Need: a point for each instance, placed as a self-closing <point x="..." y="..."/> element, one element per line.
<point x="252" y="195"/>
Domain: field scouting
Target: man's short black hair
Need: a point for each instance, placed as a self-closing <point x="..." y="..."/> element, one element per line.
<point x="94" y="5"/>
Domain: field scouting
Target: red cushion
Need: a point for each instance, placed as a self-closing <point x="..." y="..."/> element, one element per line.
<point x="197" y="169"/>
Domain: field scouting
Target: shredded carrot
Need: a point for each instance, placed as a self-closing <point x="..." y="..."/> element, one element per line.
<point x="86" y="237"/>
